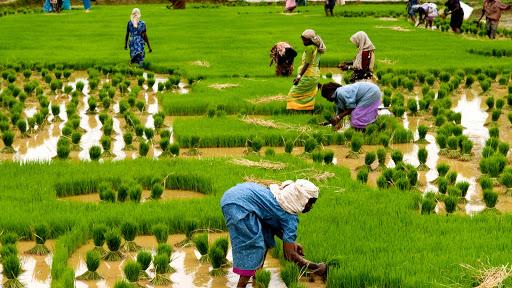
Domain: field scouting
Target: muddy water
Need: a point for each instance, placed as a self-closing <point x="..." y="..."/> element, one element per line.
<point x="146" y="196"/>
<point x="189" y="271"/>
<point x="337" y="75"/>
<point x="36" y="269"/>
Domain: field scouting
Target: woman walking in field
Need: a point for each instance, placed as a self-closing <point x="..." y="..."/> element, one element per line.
<point x="304" y="89"/>
<point x="457" y="14"/>
<point x="359" y="100"/>
<point x="362" y="65"/>
<point x="255" y="213"/>
<point x="136" y="35"/>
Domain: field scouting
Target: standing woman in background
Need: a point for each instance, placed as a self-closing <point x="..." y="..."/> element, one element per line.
<point x="453" y="8"/>
<point x="136" y="33"/>
<point x="304" y="89"/>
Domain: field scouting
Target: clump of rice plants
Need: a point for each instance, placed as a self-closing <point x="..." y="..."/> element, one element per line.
<point x="453" y="146"/>
<point x="161" y="232"/>
<point x="442" y="169"/>
<point x="428" y="205"/>
<point x="144" y="260"/>
<point x="328" y="156"/>
<point x="128" y="141"/>
<point x="201" y="243"/>
<point x="503" y="148"/>
<point x="493" y="165"/>
<point x="223" y="244"/>
<point x="98" y="237"/>
<point x="381" y="158"/>
<point x="422" y="133"/>
<point x="451" y="176"/>
<point x="113" y="239"/>
<point x="355" y="146"/>
<point x="143" y="148"/>
<point x="262" y="278"/>
<point x="161" y="263"/>
<point x="485" y="183"/>
<point x="12" y="270"/>
<point x="441" y="142"/>
<point x="384" y="140"/>
<point x="76" y="136"/>
<point x="131" y="272"/>
<point x="106" y="143"/>
<point x="290" y="274"/>
<point x="467" y="147"/>
<point x="9" y="239"/>
<point x="156" y="191"/>
<point x="369" y="158"/>
<point x="63" y="148"/>
<point x="450" y="203"/>
<point x="95" y="153"/>
<point x="442" y="185"/>
<point x="397" y="157"/>
<point x="506" y="180"/>
<point x="289" y="144"/>
<point x="135" y="192"/>
<point x="174" y="149"/>
<point x="41" y="233"/>
<point x="422" y="158"/>
<point x="8" y="250"/>
<point x="490" y="198"/>
<point x="317" y="156"/>
<point x="129" y="231"/>
<point x="362" y="175"/>
<point x="463" y="186"/>
<point x="106" y="192"/>
<point x="92" y="260"/>
<point x="500" y="103"/>
<point x="402" y="135"/>
<point x="495" y="115"/>
<point x="8" y="139"/>
<point x="310" y="144"/>
<point x="216" y="257"/>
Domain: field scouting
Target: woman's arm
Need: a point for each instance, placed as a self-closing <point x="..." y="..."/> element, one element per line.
<point x="302" y="71"/>
<point x="346" y="65"/>
<point x="145" y="37"/>
<point x="294" y="252"/>
<point x="126" y="38"/>
<point x="336" y="119"/>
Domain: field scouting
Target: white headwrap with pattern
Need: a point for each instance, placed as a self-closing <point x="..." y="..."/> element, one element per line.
<point x="311" y="35"/>
<point x="135" y="17"/>
<point x="293" y="196"/>
<point x="363" y="43"/>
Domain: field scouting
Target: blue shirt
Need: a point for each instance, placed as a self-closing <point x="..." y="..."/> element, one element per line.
<point x="360" y="94"/>
<point x="259" y="200"/>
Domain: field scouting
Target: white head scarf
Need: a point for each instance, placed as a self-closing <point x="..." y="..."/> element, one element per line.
<point x="135" y="17"/>
<point x="293" y="196"/>
<point x="311" y="35"/>
<point x="363" y="43"/>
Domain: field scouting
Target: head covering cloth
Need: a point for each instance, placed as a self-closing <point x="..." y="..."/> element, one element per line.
<point x="293" y="196"/>
<point x="363" y="43"/>
<point x="311" y="35"/>
<point x="135" y="17"/>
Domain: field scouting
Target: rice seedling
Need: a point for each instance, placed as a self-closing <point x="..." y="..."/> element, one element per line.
<point x="463" y="186"/>
<point x="428" y="205"/>
<point x="453" y="146"/>
<point x="503" y="148"/>
<point x="401" y="135"/>
<point x="450" y="203"/>
<point x="92" y="260"/>
<point x="495" y="115"/>
<point x="76" y="136"/>
<point x="328" y="156"/>
<point x="161" y="232"/>
<point x="442" y="185"/>
<point x="467" y="147"/>
<point x="95" y="152"/>
<point x="164" y="249"/>
<point x="135" y="192"/>
<point x="174" y="149"/>
<point x="262" y="278"/>
<point x="290" y="274"/>
<point x="355" y="146"/>
<point x="12" y="270"/>
<point x="144" y="260"/>
<point x="310" y="144"/>
<point x="397" y="157"/>
<point x="362" y="175"/>
<point x="8" y="250"/>
<point x="493" y="165"/>
<point x="485" y="85"/>
<point x="412" y="105"/>
<point x="381" y="158"/>
<point x="63" y="148"/>
<point x="156" y="191"/>
<point x="493" y="143"/>
<point x="422" y="158"/>
<point x="131" y="272"/>
<point x="317" y="156"/>
<point x="106" y="143"/>
<point x="485" y="183"/>
<point x="451" y="176"/>
<point x="41" y="233"/>
<point x="442" y="169"/>
<point x="98" y="237"/>
<point x="223" y="244"/>
<point x="129" y="231"/>
<point x="8" y="139"/>
<point x="143" y="148"/>
<point x="500" y="103"/>
<point x="128" y="140"/>
<point x="201" y="243"/>
<point x="161" y="263"/>
<point x="490" y="198"/>
<point x="422" y="132"/>
<point x="113" y="239"/>
<point x="149" y="133"/>
<point x="217" y="259"/>
<point x="369" y="158"/>
<point x="384" y="140"/>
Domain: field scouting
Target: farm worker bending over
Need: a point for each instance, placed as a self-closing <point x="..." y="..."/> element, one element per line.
<point x="255" y="213"/>
<point x="283" y="55"/>
<point x="492" y="11"/>
<point x="428" y="12"/>
<point x="359" y="100"/>
<point x="365" y="58"/>
<point x="304" y="89"/>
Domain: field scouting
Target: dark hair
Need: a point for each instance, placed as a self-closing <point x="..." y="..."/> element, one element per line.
<point x="328" y="89"/>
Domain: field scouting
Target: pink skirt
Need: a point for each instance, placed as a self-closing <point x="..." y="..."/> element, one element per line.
<point x="290" y="4"/>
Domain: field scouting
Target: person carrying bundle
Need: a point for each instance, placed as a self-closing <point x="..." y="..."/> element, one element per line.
<point x="362" y="65"/>
<point x="283" y="54"/>
<point x="359" y="100"/>
<point x="255" y="213"/>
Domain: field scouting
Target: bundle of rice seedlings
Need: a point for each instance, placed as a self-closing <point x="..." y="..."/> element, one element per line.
<point x="174" y="149"/>
<point x="495" y="115"/>
<point x="490" y="102"/>
<point x="8" y="250"/>
<point x="310" y="144"/>
<point x="76" y="136"/>
<point x="129" y="231"/>
<point x="422" y="133"/>
<point x="9" y="239"/>
<point x="467" y="146"/>
<point x="451" y="176"/>
<point x="216" y="257"/>
<point x="384" y="140"/>
<point x="494" y="132"/>
<point x="317" y="156"/>
<point x="450" y="203"/>
<point x="128" y="140"/>
<point x="161" y="263"/>
<point x="428" y="205"/>
<point x="422" y="158"/>
<point x="135" y="192"/>
<point x="492" y="143"/>
<point x="63" y="148"/>
<point x="143" y="148"/>
<point x="463" y="186"/>
<point x="486" y="183"/>
<point x="369" y="158"/>
<point x="503" y="148"/>
<point x="8" y="139"/>
<point x="442" y="185"/>
<point x="41" y="233"/>
<point x="156" y="191"/>
<point x="290" y="274"/>
<point x="381" y="158"/>
<point x="262" y="278"/>
<point x="92" y="260"/>
<point x="223" y="244"/>
<point x="144" y="260"/>
<point x="12" y="270"/>
<point x="355" y="146"/>
<point x="95" y="153"/>
<point x="131" y="272"/>
<point x="506" y="180"/>
<point x="161" y="232"/>
<point x="201" y="243"/>
<point x="397" y="157"/>
<point x="453" y="146"/>
<point x="106" y="143"/>
<point x="98" y="237"/>
<point x="289" y="144"/>
<point x="442" y="169"/>
<point x="189" y="227"/>
<point x="490" y="198"/>
<point x="113" y="239"/>
<point x="362" y="175"/>
<point x="441" y="142"/>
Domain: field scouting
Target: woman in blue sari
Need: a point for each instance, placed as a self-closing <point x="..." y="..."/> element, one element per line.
<point x="136" y="34"/>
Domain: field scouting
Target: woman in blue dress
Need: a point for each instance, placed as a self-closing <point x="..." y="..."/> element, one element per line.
<point x="136" y="34"/>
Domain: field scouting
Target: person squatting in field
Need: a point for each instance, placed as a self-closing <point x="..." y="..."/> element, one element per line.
<point x="427" y="12"/>
<point x="136" y="37"/>
<point x="492" y="12"/>
<point x="360" y="100"/>
<point x="255" y="213"/>
<point x="283" y="54"/>
<point x="302" y="94"/>
<point x="362" y="65"/>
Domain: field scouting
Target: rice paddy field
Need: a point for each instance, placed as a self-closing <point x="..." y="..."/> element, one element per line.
<point x="111" y="175"/>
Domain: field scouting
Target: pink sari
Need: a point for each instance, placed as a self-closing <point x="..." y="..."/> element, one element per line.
<point x="290" y="5"/>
